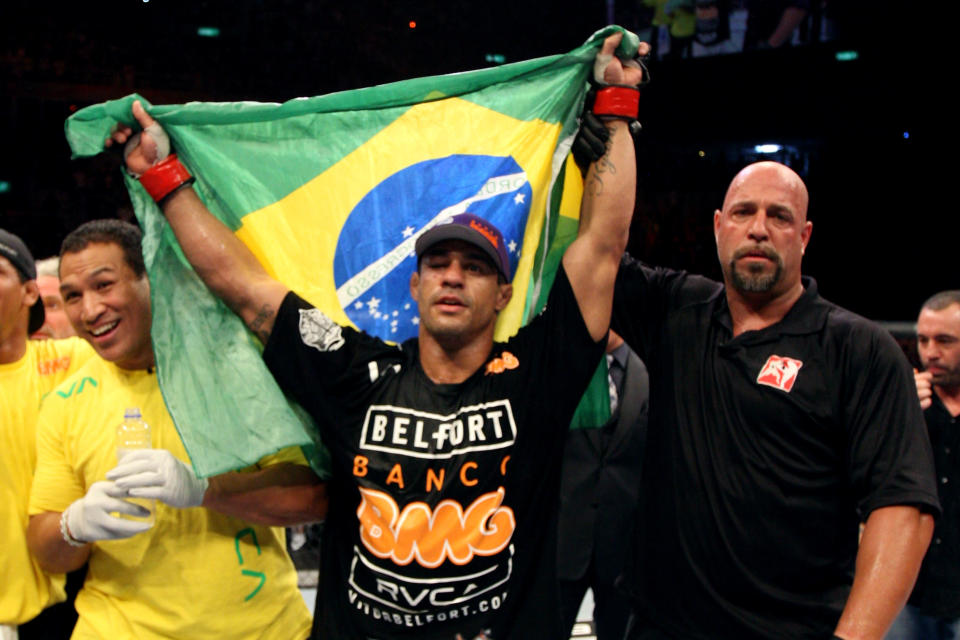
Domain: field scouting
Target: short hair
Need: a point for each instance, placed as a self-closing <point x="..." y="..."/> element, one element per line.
<point x="49" y="267"/>
<point x="127" y="236"/>
<point x="942" y="300"/>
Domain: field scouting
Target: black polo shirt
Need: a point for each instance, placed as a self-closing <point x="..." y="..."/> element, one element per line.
<point x="937" y="592"/>
<point x="764" y="453"/>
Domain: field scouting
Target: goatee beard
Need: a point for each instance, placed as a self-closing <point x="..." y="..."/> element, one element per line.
<point x="755" y="280"/>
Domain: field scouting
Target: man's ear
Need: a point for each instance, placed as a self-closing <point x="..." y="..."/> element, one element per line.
<point x="31" y="293"/>
<point x="415" y="286"/>
<point x="504" y="294"/>
<point x="805" y="236"/>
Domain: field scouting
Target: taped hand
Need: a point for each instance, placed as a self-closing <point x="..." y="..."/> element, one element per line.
<point x="145" y="148"/>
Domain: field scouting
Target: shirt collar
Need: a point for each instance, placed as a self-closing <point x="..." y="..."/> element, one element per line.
<point x="620" y="355"/>
<point x="807" y="315"/>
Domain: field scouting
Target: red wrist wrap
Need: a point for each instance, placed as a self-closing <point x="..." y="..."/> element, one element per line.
<point x="165" y="177"/>
<point x="617" y="101"/>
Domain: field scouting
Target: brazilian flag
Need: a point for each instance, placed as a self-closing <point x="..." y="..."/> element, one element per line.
<point x="331" y="193"/>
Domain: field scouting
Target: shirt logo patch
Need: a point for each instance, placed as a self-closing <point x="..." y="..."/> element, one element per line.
<point x="319" y="331"/>
<point x="498" y="365"/>
<point x="780" y="372"/>
<point x="52" y="366"/>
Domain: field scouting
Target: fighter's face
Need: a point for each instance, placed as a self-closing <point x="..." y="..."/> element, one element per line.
<point x="457" y="292"/>
<point x="57" y="324"/>
<point x="762" y="232"/>
<point x="108" y="305"/>
<point x="15" y="297"/>
<point x="938" y="343"/>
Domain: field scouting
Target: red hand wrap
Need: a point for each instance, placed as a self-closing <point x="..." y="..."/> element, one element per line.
<point x="165" y="177"/>
<point x="617" y="101"/>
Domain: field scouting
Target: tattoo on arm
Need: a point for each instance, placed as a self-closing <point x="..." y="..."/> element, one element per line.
<point x="265" y="313"/>
<point x="602" y="166"/>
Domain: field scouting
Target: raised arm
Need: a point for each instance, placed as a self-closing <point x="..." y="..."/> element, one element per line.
<point x="221" y="260"/>
<point x="892" y="547"/>
<point x="591" y="261"/>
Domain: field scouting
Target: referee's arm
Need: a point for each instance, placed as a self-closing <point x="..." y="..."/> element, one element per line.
<point x="892" y="547"/>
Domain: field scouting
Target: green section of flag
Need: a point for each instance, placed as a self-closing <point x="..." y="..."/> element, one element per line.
<point x="246" y="156"/>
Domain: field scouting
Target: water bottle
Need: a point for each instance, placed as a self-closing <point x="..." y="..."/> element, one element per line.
<point x="134" y="433"/>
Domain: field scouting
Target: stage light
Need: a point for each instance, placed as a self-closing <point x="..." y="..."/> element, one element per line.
<point x="412" y="24"/>
<point x="906" y="135"/>
<point x="701" y="153"/>
<point x="496" y="58"/>
<point x="846" y="56"/>
<point x="767" y="148"/>
<point x="4" y="186"/>
<point x="208" y="32"/>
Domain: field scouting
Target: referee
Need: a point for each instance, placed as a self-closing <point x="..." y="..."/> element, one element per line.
<point x="778" y="423"/>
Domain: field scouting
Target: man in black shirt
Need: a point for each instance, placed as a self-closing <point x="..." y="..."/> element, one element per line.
<point x="445" y="449"/>
<point x="933" y="611"/>
<point x="778" y="422"/>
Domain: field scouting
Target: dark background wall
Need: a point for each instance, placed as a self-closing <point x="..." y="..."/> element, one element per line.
<point x="884" y="224"/>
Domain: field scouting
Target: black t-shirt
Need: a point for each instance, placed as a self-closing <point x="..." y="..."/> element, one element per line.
<point x="937" y="592"/>
<point x="764" y="451"/>
<point x="444" y="496"/>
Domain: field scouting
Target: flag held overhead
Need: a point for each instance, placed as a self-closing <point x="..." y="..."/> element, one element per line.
<point x="331" y="194"/>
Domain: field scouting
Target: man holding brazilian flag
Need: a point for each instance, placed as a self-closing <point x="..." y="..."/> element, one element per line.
<point x="444" y="450"/>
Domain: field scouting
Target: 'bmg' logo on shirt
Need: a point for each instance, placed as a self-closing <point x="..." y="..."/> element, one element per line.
<point x="779" y="372"/>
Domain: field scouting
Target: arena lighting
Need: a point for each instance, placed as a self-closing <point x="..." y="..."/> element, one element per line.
<point x="4" y="186"/>
<point x="496" y="58"/>
<point x="906" y="135"/>
<point x="846" y="56"/>
<point x="208" y="32"/>
<point x="767" y="148"/>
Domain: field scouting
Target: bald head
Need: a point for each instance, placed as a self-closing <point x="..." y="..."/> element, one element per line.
<point x="770" y="173"/>
<point x="762" y="232"/>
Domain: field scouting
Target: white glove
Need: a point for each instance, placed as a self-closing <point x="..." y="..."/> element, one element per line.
<point x="158" y="474"/>
<point x="88" y="519"/>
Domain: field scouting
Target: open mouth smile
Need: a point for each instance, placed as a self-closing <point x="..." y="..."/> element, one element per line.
<point x="104" y="329"/>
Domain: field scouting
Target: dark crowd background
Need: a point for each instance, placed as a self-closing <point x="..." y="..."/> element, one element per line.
<point x="865" y="133"/>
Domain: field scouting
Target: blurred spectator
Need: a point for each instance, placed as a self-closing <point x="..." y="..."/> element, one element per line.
<point x="29" y="369"/>
<point x="771" y="23"/>
<point x="933" y="611"/>
<point x="56" y="324"/>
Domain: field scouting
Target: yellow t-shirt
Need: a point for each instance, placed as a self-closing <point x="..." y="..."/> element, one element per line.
<point x="26" y="589"/>
<point x="196" y="573"/>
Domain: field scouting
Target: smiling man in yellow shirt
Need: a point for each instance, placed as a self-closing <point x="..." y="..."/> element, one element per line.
<point x="212" y="564"/>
